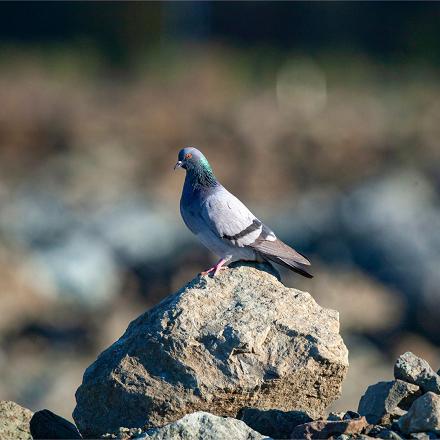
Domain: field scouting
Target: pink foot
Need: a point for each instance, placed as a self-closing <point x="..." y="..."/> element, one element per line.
<point x="216" y="268"/>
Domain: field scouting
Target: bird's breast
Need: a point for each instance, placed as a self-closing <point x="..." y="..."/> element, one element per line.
<point x="190" y="215"/>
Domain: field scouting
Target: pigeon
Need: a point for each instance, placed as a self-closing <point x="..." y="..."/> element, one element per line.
<point x="224" y="224"/>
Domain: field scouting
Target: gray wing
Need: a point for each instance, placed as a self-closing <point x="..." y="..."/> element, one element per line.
<point x="229" y="219"/>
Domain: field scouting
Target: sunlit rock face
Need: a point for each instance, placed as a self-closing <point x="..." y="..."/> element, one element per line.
<point x="239" y="340"/>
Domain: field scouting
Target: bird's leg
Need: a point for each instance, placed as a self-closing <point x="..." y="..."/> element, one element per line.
<point x="217" y="267"/>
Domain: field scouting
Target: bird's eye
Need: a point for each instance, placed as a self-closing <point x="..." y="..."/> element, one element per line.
<point x="188" y="156"/>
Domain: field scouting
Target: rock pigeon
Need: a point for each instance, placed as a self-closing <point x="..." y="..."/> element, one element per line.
<point x="224" y="224"/>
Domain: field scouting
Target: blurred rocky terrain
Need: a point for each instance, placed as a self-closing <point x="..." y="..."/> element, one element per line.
<point x="238" y="356"/>
<point x="339" y="155"/>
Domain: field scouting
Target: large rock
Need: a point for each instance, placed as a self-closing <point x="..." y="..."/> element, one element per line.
<point x="387" y="399"/>
<point x="413" y="369"/>
<point x="203" y="426"/>
<point x="423" y="416"/>
<point x="14" y="421"/>
<point x="240" y="339"/>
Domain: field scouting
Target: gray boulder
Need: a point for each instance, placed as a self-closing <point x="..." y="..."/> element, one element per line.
<point x="387" y="399"/>
<point x="423" y="416"/>
<point x="217" y="345"/>
<point x="203" y="426"/>
<point x="14" y="421"/>
<point x="413" y="369"/>
<point x="273" y="422"/>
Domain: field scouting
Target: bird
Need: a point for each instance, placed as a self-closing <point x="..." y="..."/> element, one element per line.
<point x="224" y="224"/>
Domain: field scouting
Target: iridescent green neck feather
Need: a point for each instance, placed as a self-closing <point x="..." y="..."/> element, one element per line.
<point x="201" y="175"/>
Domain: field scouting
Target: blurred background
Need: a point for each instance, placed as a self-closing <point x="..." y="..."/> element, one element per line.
<point x="322" y="117"/>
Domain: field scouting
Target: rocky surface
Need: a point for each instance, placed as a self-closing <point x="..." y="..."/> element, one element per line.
<point x="47" y="425"/>
<point x="201" y="425"/>
<point x="423" y="416"/>
<point x="14" y="421"/>
<point x="324" y="429"/>
<point x="387" y="399"/>
<point x="263" y="359"/>
<point x="218" y="345"/>
<point x="413" y="369"/>
<point x="384" y="404"/>
<point x="272" y="422"/>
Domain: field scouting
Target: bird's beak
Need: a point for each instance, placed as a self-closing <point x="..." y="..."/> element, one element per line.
<point x="178" y="164"/>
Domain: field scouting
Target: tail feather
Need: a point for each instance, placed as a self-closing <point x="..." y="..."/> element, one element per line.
<point x="281" y="253"/>
<point x="289" y="264"/>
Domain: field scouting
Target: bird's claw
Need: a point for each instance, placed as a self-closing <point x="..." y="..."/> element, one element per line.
<point x="207" y="272"/>
<point x="211" y="270"/>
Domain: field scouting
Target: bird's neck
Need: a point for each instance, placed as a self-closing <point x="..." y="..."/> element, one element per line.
<point x="201" y="177"/>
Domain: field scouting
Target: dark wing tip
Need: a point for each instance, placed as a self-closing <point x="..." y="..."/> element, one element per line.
<point x="295" y="267"/>
<point x="292" y="265"/>
<point x="302" y="272"/>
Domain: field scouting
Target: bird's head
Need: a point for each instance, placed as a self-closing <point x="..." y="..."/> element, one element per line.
<point x="190" y="158"/>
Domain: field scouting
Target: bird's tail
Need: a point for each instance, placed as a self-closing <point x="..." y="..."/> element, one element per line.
<point x="280" y="253"/>
<point x="290" y="264"/>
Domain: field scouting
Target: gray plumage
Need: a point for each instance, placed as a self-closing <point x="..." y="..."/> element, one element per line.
<point x="224" y="224"/>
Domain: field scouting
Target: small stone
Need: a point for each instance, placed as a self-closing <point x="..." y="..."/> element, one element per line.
<point x="351" y="415"/>
<point x="202" y="425"/>
<point x="373" y="429"/>
<point x="419" y="436"/>
<point x="348" y="437"/>
<point x="14" y="421"/>
<point x="387" y="434"/>
<point x="359" y="437"/>
<point x="335" y="416"/>
<point x="352" y="437"/>
<point x="390" y="419"/>
<point x="423" y="416"/>
<point x="323" y="429"/>
<point x="47" y="425"/>
<point x="383" y="401"/>
<point x="413" y="369"/>
<point x="273" y="422"/>
<point x="124" y="433"/>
